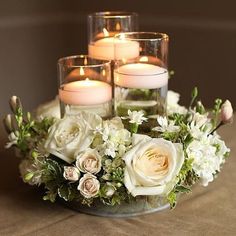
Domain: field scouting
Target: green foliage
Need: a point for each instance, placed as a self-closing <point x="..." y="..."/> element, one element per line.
<point x="68" y="192"/>
<point x="52" y="177"/>
<point x="172" y="199"/>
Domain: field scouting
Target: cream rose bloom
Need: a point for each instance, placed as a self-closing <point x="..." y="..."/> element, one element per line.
<point x="152" y="166"/>
<point x="72" y="134"/>
<point x="89" y="161"/>
<point x="89" y="186"/>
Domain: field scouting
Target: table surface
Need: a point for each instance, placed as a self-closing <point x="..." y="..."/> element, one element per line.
<point x="206" y="211"/>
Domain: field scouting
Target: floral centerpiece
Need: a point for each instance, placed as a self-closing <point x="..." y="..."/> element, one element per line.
<point x="85" y="159"/>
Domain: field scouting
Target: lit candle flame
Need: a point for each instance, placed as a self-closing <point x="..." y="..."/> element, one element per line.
<point x="143" y="59"/>
<point x="103" y="72"/>
<point x="118" y="26"/>
<point x="81" y="71"/>
<point x="105" y="32"/>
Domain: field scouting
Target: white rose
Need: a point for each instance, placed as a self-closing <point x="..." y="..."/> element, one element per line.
<point x="71" y="173"/>
<point x="152" y="166"/>
<point x="89" y="186"/>
<point x="49" y="109"/>
<point x="71" y="134"/>
<point x="89" y="161"/>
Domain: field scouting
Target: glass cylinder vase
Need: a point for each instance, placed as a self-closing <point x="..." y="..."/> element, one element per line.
<point x="141" y="82"/>
<point x="102" y="27"/>
<point x="85" y="85"/>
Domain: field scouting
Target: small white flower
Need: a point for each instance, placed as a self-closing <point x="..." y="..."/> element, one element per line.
<point x="89" y="161"/>
<point x="12" y="140"/>
<point x="165" y="125"/>
<point x="172" y="103"/>
<point x="114" y="138"/>
<point x="199" y="119"/>
<point x="226" y="112"/>
<point x="71" y="173"/>
<point x="89" y="186"/>
<point x="136" y="117"/>
<point x="110" y="149"/>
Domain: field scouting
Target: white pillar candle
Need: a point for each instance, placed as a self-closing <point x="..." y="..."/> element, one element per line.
<point x="141" y="76"/>
<point x="85" y="92"/>
<point x="105" y="49"/>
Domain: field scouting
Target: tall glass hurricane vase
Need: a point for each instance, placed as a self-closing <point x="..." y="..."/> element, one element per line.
<point x="85" y="85"/>
<point x="141" y="82"/>
<point x="102" y="27"/>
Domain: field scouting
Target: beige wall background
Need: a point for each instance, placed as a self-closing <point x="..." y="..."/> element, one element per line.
<point x="35" y="33"/>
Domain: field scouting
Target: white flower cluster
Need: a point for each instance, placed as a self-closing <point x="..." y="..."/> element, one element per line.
<point x="208" y="153"/>
<point x="112" y="139"/>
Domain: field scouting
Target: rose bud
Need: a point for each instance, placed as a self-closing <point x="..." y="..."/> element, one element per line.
<point x="71" y="173"/>
<point x="226" y="112"/>
<point x="15" y="103"/>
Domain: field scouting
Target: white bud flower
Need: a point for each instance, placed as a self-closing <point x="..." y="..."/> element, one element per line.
<point x="71" y="173"/>
<point x="15" y="103"/>
<point x="109" y="189"/>
<point x="7" y="121"/>
<point x="226" y="112"/>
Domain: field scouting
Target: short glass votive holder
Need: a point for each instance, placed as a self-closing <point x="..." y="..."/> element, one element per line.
<point x="141" y="83"/>
<point x="85" y="85"/>
<point x="102" y="27"/>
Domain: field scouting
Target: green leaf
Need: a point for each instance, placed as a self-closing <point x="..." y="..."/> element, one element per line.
<point x="68" y="192"/>
<point x="64" y="192"/>
<point x="182" y="189"/>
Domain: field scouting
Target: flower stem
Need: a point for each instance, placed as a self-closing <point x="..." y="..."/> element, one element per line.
<point x="133" y="128"/>
<point x="217" y="127"/>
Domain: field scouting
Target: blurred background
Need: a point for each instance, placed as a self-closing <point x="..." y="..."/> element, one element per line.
<point x="34" y="34"/>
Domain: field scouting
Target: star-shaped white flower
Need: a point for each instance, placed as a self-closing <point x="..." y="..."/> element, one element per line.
<point x="165" y="126"/>
<point x="136" y="117"/>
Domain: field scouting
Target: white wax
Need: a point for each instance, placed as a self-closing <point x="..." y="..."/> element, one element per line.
<point x="141" y="75"/>
<point x="105" y="49"/>
<point x="85" y="92"/>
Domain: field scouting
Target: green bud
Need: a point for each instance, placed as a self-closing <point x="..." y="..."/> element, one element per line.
<point x="28" y="116"/>
<point x="28" y="176"/>
<point x="34" y="154"/>
<point x="194" y="93"/>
